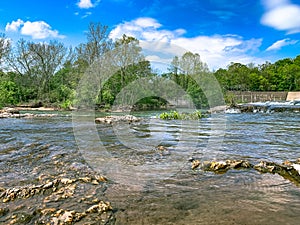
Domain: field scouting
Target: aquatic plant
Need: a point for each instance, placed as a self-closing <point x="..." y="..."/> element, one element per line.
<point x="174" y="115"/>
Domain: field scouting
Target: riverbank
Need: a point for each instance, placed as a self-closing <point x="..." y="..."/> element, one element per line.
<point x="20" y="112"/>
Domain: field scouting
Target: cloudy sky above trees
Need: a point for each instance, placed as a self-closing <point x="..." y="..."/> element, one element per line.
<point x="221" y="31"/>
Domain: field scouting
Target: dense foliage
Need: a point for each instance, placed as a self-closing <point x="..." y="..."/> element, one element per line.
<point x="49" y="73"/>
<point x="283" y="75"/>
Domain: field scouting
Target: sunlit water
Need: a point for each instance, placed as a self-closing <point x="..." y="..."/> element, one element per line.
<point x="149" y="186"/>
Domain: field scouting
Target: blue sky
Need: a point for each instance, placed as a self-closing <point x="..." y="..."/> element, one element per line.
<point x="221" y="31"/>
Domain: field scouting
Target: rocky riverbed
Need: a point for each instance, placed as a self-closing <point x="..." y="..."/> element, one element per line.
<point x="59" y="191"/>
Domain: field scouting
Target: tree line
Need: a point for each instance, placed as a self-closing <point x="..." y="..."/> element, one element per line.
<point x="49" y="73"/>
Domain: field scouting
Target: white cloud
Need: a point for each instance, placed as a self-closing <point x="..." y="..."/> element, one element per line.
<point x="146" y="29"/>
<point x="270" y="4"/>
<point x="147" y="22"/>
<point x="162" y="45"/>
<point x="86" y="15"/>
<point x="14" y="25"/>
<point x="86" y="4"/>
<point x="281" y="43"/>
<point x="282" y="15"/>
<point x="37" y="29"/>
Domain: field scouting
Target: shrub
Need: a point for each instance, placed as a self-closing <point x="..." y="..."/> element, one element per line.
<point x="174" y="115"/>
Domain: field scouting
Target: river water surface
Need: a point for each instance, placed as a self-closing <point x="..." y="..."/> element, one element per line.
<point x="153" y="186"/>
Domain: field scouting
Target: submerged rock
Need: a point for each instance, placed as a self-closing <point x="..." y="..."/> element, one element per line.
<point x="55" y="202"/>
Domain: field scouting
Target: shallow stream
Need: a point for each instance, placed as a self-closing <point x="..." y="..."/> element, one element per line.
<point x="149" y="185"/>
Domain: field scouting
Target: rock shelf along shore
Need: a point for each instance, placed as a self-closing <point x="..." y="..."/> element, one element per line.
<point x="289" y="170"/>
<point x="15" y="113"/>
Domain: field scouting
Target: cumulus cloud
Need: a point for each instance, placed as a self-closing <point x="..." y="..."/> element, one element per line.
<point x="282" y="15"/>
<point x="162" y="45"/>
<point x="14" y="25"/>
<point x="37" y="29"/>
<point x="270" y="4"/>
<point x="281" y="43"/>
<point x="86" y="4"/>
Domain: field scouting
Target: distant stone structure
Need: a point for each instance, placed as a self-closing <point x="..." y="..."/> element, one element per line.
<point x="291" y="96"/>
<point x="257" y="96"/>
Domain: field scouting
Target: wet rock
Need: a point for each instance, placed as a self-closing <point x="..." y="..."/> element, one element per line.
<point x="47" y="199"/>
<point x="221" y="166"/>
<point x="67" y="181"/>
<point x="217" y="166"/>
<point x="161" y="148"/>
<point x="195" y="164"/>
<point x="15" y="113"/>
<point x="288" y="169"/>
<point x="266" y="167"/>
<point x="239" y="164"/>
<point x="115" y="119"/>
<point x="60" y="188"/>
<point x="100" y="207"/>
<point x="3" y="211"/>
<point x="67" y="217"/>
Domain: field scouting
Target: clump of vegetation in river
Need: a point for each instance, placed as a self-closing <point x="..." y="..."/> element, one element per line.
<point x="174" y="115"/>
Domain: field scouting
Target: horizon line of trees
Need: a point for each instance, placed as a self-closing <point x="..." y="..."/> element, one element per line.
<point x="49" y="73"/>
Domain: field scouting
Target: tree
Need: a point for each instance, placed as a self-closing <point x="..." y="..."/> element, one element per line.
<point x="97" y="43"/>
<point x="9" y="93"/>
<point x="238" y="77"/>
<point x="188" y="71"/>
<point x="127" y="53"/>
<point x="5" y="48"/>
<point x="37" y="63"/>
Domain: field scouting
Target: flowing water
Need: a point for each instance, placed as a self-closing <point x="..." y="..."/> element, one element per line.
<point x="149" y="185"/>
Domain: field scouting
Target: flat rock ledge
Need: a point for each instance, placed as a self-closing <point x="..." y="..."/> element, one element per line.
<point x="51" y="198"/>
<point x="289" y="170"/>
<point x="13" y="113"/>
<point x="117" y="119"/>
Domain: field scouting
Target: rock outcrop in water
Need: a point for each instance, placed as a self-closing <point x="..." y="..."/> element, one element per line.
<point x="116" y="119"/>
<point x="14" y="113"/>
<point x="288" y="169"/>
<point x="54" y="193"/>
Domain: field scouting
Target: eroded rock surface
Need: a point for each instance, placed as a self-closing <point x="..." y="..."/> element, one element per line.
<point x="289" y="170"/>
<point x="115" y="119"/>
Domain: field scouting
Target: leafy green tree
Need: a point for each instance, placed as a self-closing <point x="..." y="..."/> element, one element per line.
<point x="184" y="70"/>
<point x="128" y="59"/>
<point x="238" y="77"/>
<point x="9" y="93"/>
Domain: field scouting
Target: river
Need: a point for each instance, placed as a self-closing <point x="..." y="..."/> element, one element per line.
<point x="149" y="185"/>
